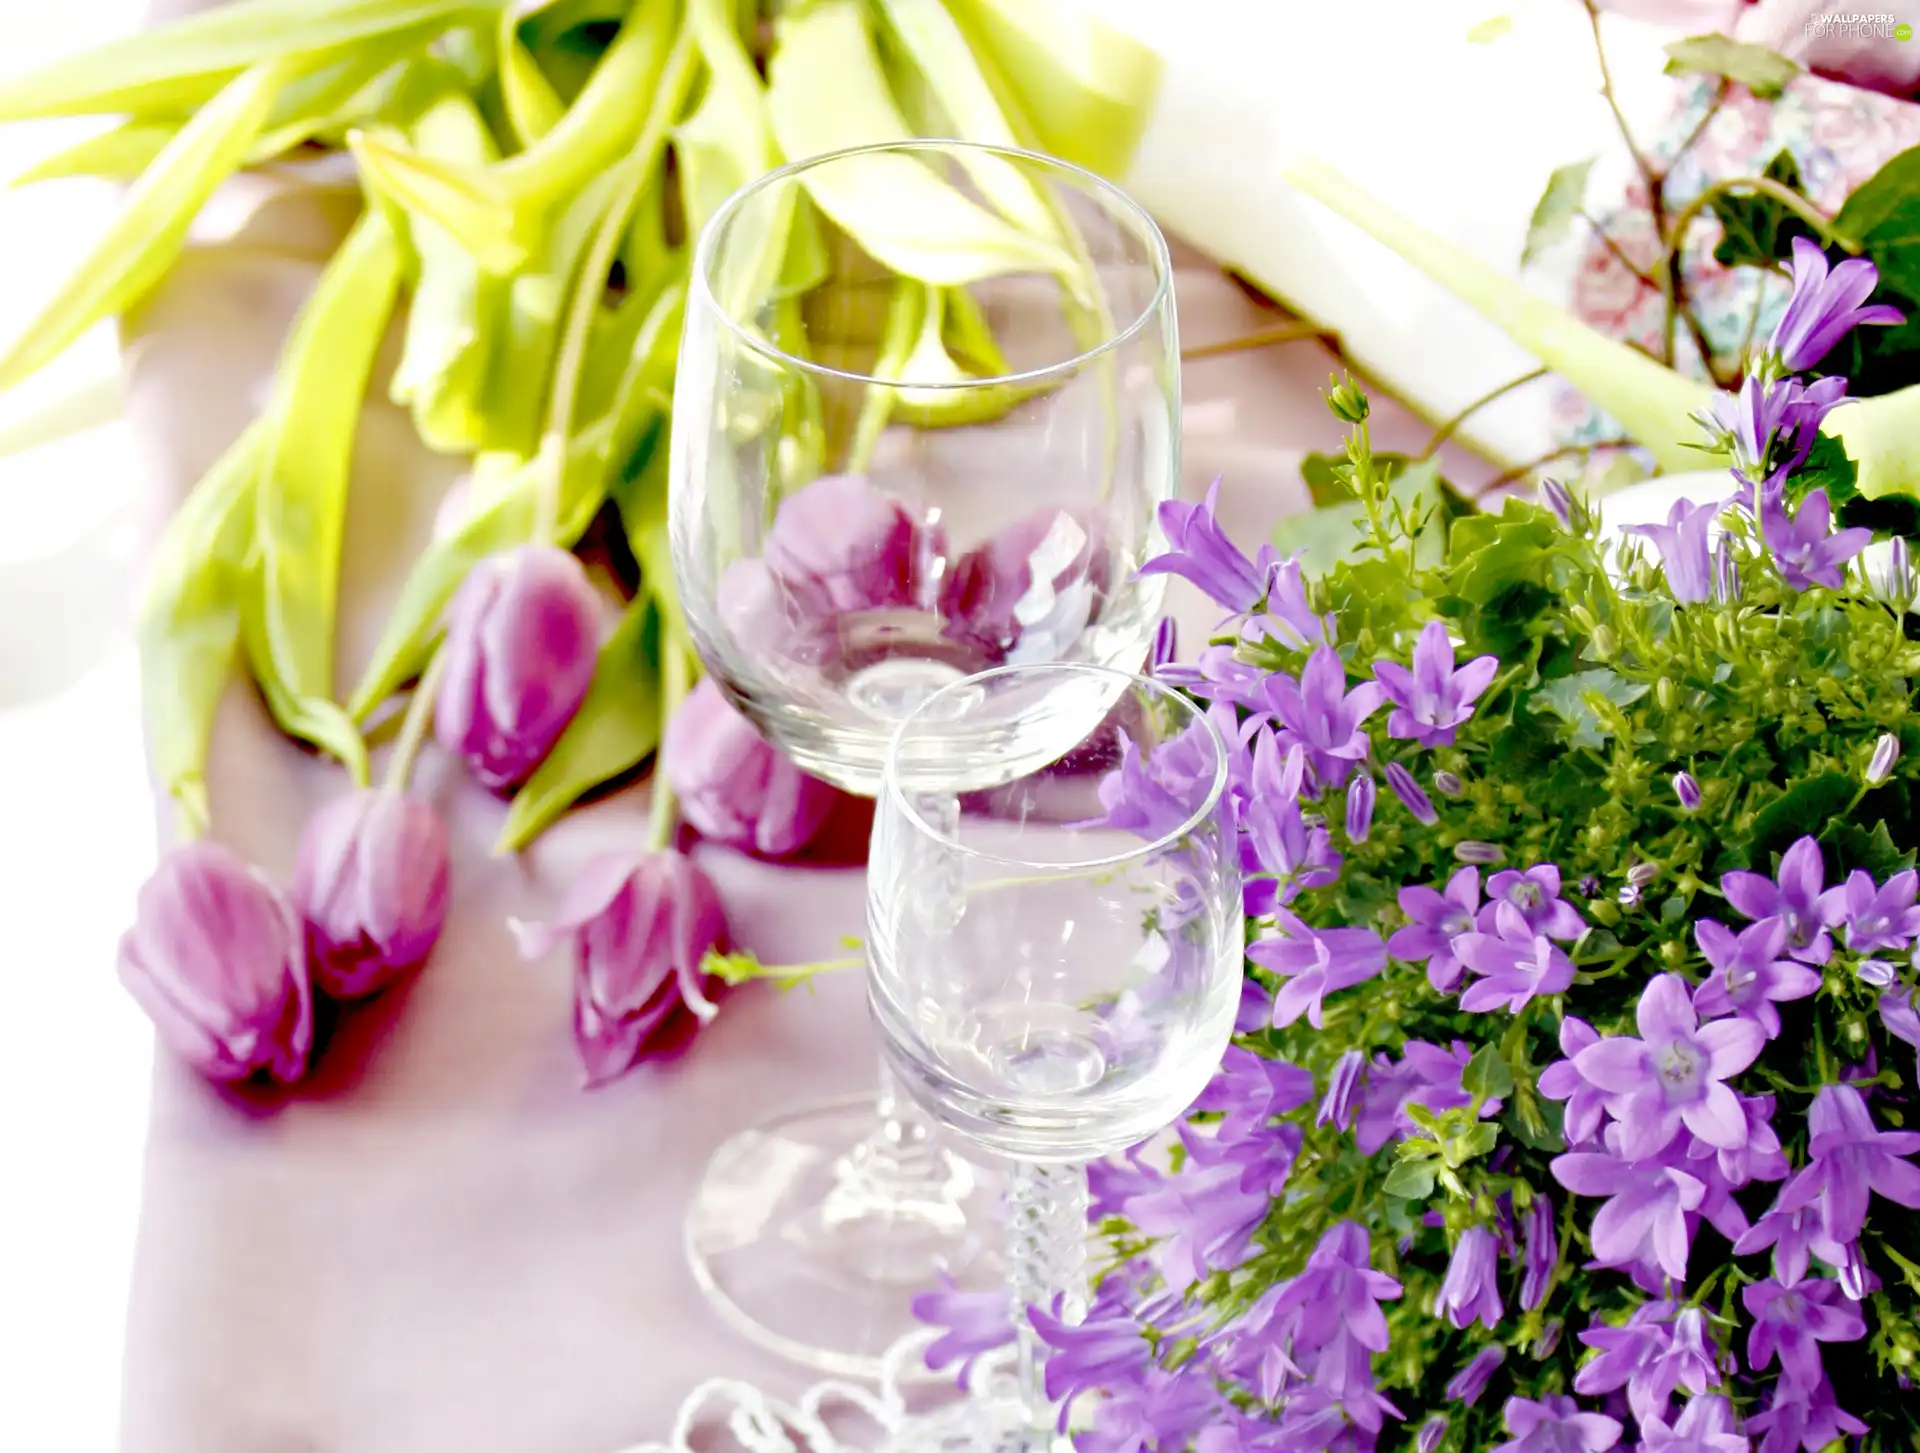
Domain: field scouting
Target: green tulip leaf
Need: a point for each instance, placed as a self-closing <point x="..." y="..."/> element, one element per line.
<point x="189" y="623"/>
<point x="118" y="155"/>
<point x="533" y="107"/>
<point x="305" y="468"/>
<point x="144" y="239"/>
<point x="466" y="202"/>
<point x="616" y="728"/>
<point x="727" y="141"/>
<point x="176" y="67"/>
<point x="827" y="91"/>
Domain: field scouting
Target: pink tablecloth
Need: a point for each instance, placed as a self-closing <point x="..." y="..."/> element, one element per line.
<point x="442" y="1243"/>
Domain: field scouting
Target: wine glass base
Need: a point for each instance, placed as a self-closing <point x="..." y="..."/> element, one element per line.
<point x="977" y="1425"/>
<point x="795" y="1250"/>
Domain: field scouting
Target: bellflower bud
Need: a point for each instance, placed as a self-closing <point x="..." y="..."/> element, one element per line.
<point x="1349" y="405"/>
<point x="1478" y="852"/>
<point x="732" y="785"/>
<point x="1687" y="788"/>
<point x="371" y="879"/>
<point x="1410" y="795"/>
<point x="1166" y="646"/>
<point x="522" y="642"/>
<point x="1896" y="583"/>
<point x="1886" y="751"/>
<point x="639" y="928"/>
<point x="215" y="958"/>
<point x="1567" y="506"/>
<point x="1643" y="875"/>
<point x="1447" y="784"/>
<point x="1343" y="1090"/>
<point x="1029" y="592"/>
<point x="1360" y="799"/>
<point x="839" y="545"/>
<point x="1432" y="1433"/>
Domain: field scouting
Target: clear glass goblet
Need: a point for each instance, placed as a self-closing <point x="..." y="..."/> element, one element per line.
<point x="1055" y="953"/>
<point x="926" y="409"/>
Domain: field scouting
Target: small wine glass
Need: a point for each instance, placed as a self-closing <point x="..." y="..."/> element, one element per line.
<point x="1055" y="950"/>
<point x="926" y="408"/>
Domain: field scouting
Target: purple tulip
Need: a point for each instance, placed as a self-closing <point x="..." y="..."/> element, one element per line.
<point x="732" y="785"/>
<point x="215" y="956"/>
<point x="1030" y="591"/>
<point x="840" y="546"/>
<point x="1432" y="699"/>
<point x="1471" y="1291"/>
<point x="371" y="878"/>
<point x="522" y="641"/>
<point x="1825" y="306"/>
<point x="639" y="928"/>
<point x="1685" y="556"/>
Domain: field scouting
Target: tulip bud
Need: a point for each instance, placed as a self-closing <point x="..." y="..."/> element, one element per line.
<point x="732" y="785"/>
<point x="839" y="545"/>
<point x="1886" y="751"/>
<point x="1686" y="787"/>
<point x="215" y="958"/>
<point x="371" y="878"/>
<point x="639" y="928"/>
<point x="522" y="641"/>
<point x="1029" y="592"/>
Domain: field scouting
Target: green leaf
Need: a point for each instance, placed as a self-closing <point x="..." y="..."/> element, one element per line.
<point x="1571" y="698"/>
<point x="189" y="624"/>
<point x="1849" y="847"/>
<point x="1536" y="1124"/>
<point x="728" y="140"/>
<point x="1476" y="1142"/>
<point x="1411" y="1180"/>
<point x="1763" y="72"/>
<point x="144" y="239"/>
<point x="1516" y="546"/>
<point x="1758" y="230"/>
<point x="118" y="155"/>
<point x="305" y="468"/>
<point x="1890" y="514"/>
<point x="1882" y="216"/>
<point x="827" y="92"/>
<point x="1827" y="467"/>
<point x="176" y="66"/>
<point x="533" y="107"/>
<point x="1329" y="534"/>
<point x="1487" y="1075"/>
<point x="1423" y="1117"/>
<point x="616" y="728"/>
<point x="1559" y="204"/>
<point x="1804" y="810"/>
<point x="465" y="201"/>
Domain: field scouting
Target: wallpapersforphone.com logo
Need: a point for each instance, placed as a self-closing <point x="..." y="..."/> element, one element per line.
<point x="1858" y="25"/>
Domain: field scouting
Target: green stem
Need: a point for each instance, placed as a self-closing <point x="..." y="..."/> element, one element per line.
<point x="413" y="730"/>
<point x="1765" y="187"/>
<point x="636" y="172"/>
<point x="1449" y="426"/>
<point x="675" y="682"/>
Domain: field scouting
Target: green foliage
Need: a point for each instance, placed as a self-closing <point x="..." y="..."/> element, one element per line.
<point x="1758" y="230"/>
<point x="1559" y="204"/>
<point x="1763" y="72"/>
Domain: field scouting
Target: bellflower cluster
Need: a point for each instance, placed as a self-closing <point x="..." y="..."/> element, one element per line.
<point x="1573" y="1099"/>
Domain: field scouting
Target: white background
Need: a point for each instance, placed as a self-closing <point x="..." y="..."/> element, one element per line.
<point x="75" y="1055"/>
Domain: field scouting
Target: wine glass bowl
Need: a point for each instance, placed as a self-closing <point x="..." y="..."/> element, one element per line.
<point x="882" y="484"/>
<point x="1050" y="983"/>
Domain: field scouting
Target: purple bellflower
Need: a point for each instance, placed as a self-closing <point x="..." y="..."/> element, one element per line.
<point x="1426" y="1075"/>
<point x="1536" y="893"/>
<point x="1250" y="1089"/>
<point x="1205" y="1221"/>
<point x="1825" y="306"/>
<point x="1795" y="897"/>
<point x="1792" y="1321"/>
<point x="1338" y="1293"/>
<point x="973" y="1323"/>
<point x="1343" y="1090"/>
<point x="1586" y="1102"/>
<point x="1795" y="1236"/>
<point x="1803" y="1420"/>
<point x="1876" y="918"/>
<point x="1644" y="1222"/>
<point x="1851" y="1159"/>
<point x="1675" y="1073"/>
<point x="1361" y="795"/>
<point x="1433" y="698"/>
<point x="1471" y="1291"/>
<point x="1749" y="977"/>
<point x="1201" y="553"/>
<point x="1806" y="549"/>
<point x="1315" y="962"/>
<point x="1322" y="715"/>
<point x="1556" y="1424"/>
<point x="1518" y="965"/>
<point x="1438" y="921"/>
<point x="1660" y="1348"/>
<point x="1096" y="1353"/>
<point x="1685" y="552"/>
<point x="1705" y="1425"/>
<point x="1540" y="1257"/>
<point x="1469" y="1384"/>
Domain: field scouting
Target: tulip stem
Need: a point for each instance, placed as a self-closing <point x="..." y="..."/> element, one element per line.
<point x="413" y="730"/>
<point x="675" y="681"/>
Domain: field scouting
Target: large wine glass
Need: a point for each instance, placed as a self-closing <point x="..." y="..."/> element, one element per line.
<point x="1054" y="958"/>
<point x="927" y="406"/>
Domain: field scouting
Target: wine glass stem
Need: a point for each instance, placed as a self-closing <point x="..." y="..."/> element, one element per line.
<point x="1046" y="1263"/>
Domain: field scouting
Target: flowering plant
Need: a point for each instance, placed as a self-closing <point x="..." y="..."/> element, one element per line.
<point x="1569" y="1107"/>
